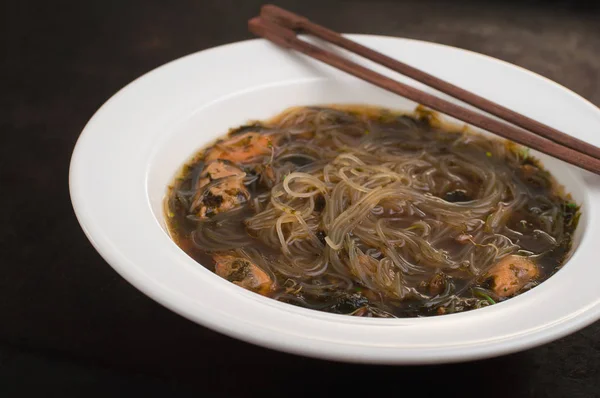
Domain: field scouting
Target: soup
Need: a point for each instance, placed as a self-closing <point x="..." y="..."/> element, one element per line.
<point x="369" y="212"/>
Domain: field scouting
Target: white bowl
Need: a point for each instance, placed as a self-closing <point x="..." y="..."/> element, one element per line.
<point x="130" y="150"/>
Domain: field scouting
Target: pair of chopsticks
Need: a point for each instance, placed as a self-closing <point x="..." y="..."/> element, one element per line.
<point x="281" y="27"/>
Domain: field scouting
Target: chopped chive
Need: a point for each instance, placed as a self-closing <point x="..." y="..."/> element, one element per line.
<point x="571" y="205"/>
<point x="485" y="296"/>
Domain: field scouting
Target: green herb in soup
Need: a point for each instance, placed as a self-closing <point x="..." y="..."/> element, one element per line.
<point x="368" y="212"/>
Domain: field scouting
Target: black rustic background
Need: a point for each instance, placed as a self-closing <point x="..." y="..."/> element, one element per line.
<point x="70" y="324"/>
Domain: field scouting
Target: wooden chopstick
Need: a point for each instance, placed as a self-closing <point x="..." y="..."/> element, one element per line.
<point x="286" y="37"/>
<point x="298" y="23"/>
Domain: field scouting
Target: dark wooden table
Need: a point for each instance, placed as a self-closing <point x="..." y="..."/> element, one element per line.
<point x="70" y="324"/>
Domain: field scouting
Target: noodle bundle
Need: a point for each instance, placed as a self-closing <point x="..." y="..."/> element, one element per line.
<point x="367" y="212"/>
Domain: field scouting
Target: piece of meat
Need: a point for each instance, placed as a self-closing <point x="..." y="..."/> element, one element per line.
<point x="268" y="176"/>
<point x="437" y="284"/>
<point x="219" y="169"/>
<point x="305" y="135"/>
<point x="242" y="148"/>
<point x="224" y="196"/>
<point x="243" y="273"/>
<point x="371" y="295"/>
<point x="529" y="171"/>
<point x="226" y="191"/>
<point x="511" y="274"/>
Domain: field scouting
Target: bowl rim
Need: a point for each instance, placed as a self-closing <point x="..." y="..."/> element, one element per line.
<point x="295" y="342"/>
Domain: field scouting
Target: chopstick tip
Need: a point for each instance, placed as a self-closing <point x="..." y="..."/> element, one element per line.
<point x="283" y="17"/>
<point x="270" y="30"/>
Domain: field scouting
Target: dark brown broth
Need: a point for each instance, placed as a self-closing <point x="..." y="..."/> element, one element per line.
<point x="542" y="193"/>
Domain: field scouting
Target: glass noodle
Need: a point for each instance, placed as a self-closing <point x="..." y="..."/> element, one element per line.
<point x="369" y="212"/>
